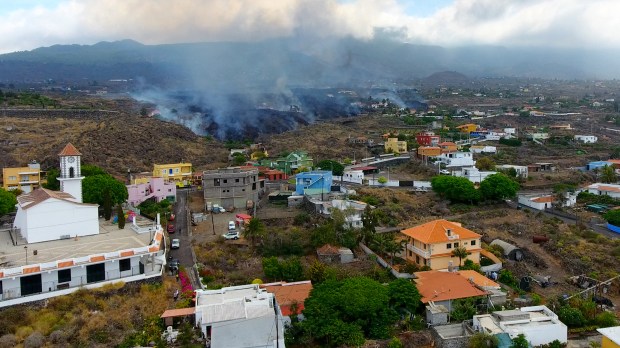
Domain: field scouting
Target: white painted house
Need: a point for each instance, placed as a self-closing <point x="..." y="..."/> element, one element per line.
<point x="542" y="202"/>
<point x="601" y="189"/>
<point x="483" y="149"/>
<point x="586" y="139"/>
<point x="538" y="323"/>
<point x="58" y="244"/>
<point x="354" y="176"/>
<point x="522" y="171"/>
<point x="457" y="159"/>
<point x="473" y="174"/>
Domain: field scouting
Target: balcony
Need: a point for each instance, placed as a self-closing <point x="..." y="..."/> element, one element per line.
<point x="424" y="253"/>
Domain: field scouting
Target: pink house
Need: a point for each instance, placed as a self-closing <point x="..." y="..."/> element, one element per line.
<point x="154" y="187"/>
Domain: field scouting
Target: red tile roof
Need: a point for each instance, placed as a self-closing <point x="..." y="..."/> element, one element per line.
<point x="69" y="150"/>
<point x="180" y="312"/>
<point x="288" y="294"/>
<point x="544" y="199"/>
<point x="328" y="249"/>
<point x="435" y="232"/>
<point x="39" y="195"/>
<point x="442" y="286"/>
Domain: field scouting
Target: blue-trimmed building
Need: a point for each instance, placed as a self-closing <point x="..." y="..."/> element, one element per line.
<point x="313" y="183"/>
<point x="597" y="164"/>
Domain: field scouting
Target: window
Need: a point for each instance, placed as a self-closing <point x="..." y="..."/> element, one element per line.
<point x="254" y="186"/>
<point x="456" y="245"/>
<point x="216" y="182"/>
<point x="417" y="259"/>
<point x="64" y="275"/>
<point x="225" y="181"/>
<point x="473" y="242"/>
<point x="13" y="178"/>
<point x="449" y="246"/>
<point x="125" y="265"/>
<point x="236" y="180"/>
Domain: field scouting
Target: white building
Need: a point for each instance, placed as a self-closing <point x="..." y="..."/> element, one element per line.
<point x="58" y="244"/>
<point x="472" y="174"/>
<point x="541" y="202"/>
<point x="457" y="159"/>
<point x="352" y="211"/>
<point x="586" y="139"/>
<point x="483" y="149"/>
<point x="601" y="189"/>
<point x="538" y="323"/>
<point x="354" y="176"/>
<point x="538" y="136"/>
<point x="522" y="171"/>
<point x="238" y="317"/>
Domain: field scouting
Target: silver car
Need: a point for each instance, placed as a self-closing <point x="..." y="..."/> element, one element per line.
<point x="175" y="244"/>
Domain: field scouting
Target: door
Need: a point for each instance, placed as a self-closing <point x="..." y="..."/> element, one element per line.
<point x="31" y="285"/>
<point x="95" y="273"/>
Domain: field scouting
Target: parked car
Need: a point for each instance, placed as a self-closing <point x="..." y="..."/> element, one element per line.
<point x="170" y="228"/>
<point x="173" y="265"/>
<point x="231" y="235"/>
<point x="217" y="209"/>
<point x="175" y="244"/>
<point x="171" y="217"/>
<point x="231" y="225"/>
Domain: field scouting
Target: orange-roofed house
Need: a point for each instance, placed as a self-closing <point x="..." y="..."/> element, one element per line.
<point x="443" y="287"/>
<point x="431" y="244"/>
<point x="448" y="146"/>
<point x="290" y="296"/>
<point x="429" y="151"/>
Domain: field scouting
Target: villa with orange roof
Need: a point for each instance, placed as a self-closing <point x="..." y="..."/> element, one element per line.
<point x="58" y="244"/>
<point x="290" y="297"/>
<point x="431" y="244"/>
<point x="601" y="189"/>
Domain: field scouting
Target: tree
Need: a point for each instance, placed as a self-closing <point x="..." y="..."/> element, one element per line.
<point x="238" y="159"/>
<point x="94" y="186"/>
<point x="7" y="202"/>
<point x="483" y="340"/>
<point x="520" y="342"/>
<point x="121" y="217"/>
<point x="335" y="167"/>
<point x="572" y="317"/>
<point x="485" y="163"/>
<point x="608" y="174"/>
<point x="460" y="252"/>
<point x="254" y="230"/>
<point x="463" y="309"/>
<point x="344" y="312"/>
<point x="382" y="180"/>
<point x="498" y="186"/>
<point x="369" y="224"/>
<point x="613" y="217"/>
<point x="107" y="204"/>
<point x="52" y="180"/>
<point x="404" y="295"/>
<point x="455" y="189"/>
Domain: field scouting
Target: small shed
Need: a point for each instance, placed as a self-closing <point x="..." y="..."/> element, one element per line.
<point x="511" y="252"/>
<point x="329" y="253"/>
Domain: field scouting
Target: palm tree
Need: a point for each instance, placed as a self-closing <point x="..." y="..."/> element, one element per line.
<point x="394" y="247"/>
<point x="461" y="253"/>
<point x="254" y="230"/>
<point x="608" y="174"/>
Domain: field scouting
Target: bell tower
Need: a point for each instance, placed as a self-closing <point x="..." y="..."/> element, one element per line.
<point x="70" y="172"/>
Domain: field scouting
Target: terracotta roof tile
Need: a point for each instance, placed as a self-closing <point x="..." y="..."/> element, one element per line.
<point x="39" y="195"/>
<point x="63" y="264"/>
<point x="180" y="312"/>
<point x="69" y="150"/>
<point x="127" y="253"/>
<point x="33" y="269"/>
<point x="435" y="232"/>
<point x="288" y="293"/>
<point x="97" y="258"/>
<point x="609" y="188"/>
<point x="442" y="286"/>
<point x="544" y="199"/>
<point x="478" y="278"/>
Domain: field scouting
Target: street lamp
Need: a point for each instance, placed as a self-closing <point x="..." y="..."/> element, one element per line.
<point x="26" y="249"/>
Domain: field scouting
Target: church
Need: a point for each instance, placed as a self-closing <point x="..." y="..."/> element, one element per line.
<point x="45" y="215"/>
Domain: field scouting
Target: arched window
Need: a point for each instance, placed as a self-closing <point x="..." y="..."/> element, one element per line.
<point x="71" y="172"/>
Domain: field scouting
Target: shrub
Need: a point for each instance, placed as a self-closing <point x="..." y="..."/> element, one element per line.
<point x="35" y="340"/>
<point x="572" y="317"/>
<point x="606" y="319"/>
<point x="8" y="341"/>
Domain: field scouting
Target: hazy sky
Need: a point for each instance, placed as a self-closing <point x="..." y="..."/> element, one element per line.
<point x="27" y="24"/>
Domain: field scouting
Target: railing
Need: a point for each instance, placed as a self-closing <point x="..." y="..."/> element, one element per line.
<point x="424" y="253"/>
<point x="77" y="281"/>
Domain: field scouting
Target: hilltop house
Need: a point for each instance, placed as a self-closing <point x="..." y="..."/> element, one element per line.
<point x="520" y="171"/>
<point x="317" y="182"/>
<point x="293" y="162"/>
<point x="427" y="139"/>
<point x="179" y="173"/>
<point x="457" y="159"/>
<point x="483" y="149"/>
<point x="151" y="187"/>
<point x="601" y="189"/>
<point x="448" y="146"/>
<point x="58" y="244"/>
<point x="431" y="244"/>
<point x="473" y="174"/>
<point x="238" y="317"/>
<point x="23" y="178"/>
<point x="395" y="145"/>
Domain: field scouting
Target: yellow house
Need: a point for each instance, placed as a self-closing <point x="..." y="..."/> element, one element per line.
<point x="431" y="151"/>
<point x="611" y="337"/>
<point x="23" y="178"/>
<point x="181" y="173"/>
<point x="395" y="145"/>
<point x="431" y="244"/>
<point x="467" y="128"/>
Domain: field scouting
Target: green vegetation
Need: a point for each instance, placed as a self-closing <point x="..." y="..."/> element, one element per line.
<point x="335" y="167"/>
<point x="455" y="189"/>
<point x="510" y="142"/>
<point x="94" y="186"/>
<point x="346" y="312"/>
<point x="151" y="208"/>
<point x="608" y="175"/>
<point x="460" y="252"/>
<point x="520" y="342"/>
<point x="497" y="187"/>
<point x="613" y="217"/>
<point x="289" y="270"/>
<point x="483" y="340"/>
<point x="7" y="201"/>
<point x="27" y="99"/>
<point x="485" y="163"/>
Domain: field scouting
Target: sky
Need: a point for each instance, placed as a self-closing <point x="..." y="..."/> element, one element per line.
<point x="591" y="24"/>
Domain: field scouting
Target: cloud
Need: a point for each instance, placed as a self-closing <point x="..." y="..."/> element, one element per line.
<point x="569" y="23"/>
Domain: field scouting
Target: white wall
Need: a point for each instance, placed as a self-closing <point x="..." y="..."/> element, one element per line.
<point x="54" y="218"/>
<point x="527" y="201"/>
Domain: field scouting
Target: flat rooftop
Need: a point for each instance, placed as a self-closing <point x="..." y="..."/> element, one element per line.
<point x="109" y="239"/>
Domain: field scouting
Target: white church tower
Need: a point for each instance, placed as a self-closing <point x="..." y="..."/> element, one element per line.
<point x="70" y="172"/>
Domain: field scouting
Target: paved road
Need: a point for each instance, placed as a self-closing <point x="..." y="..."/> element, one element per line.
<point x="183" y="233"/>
